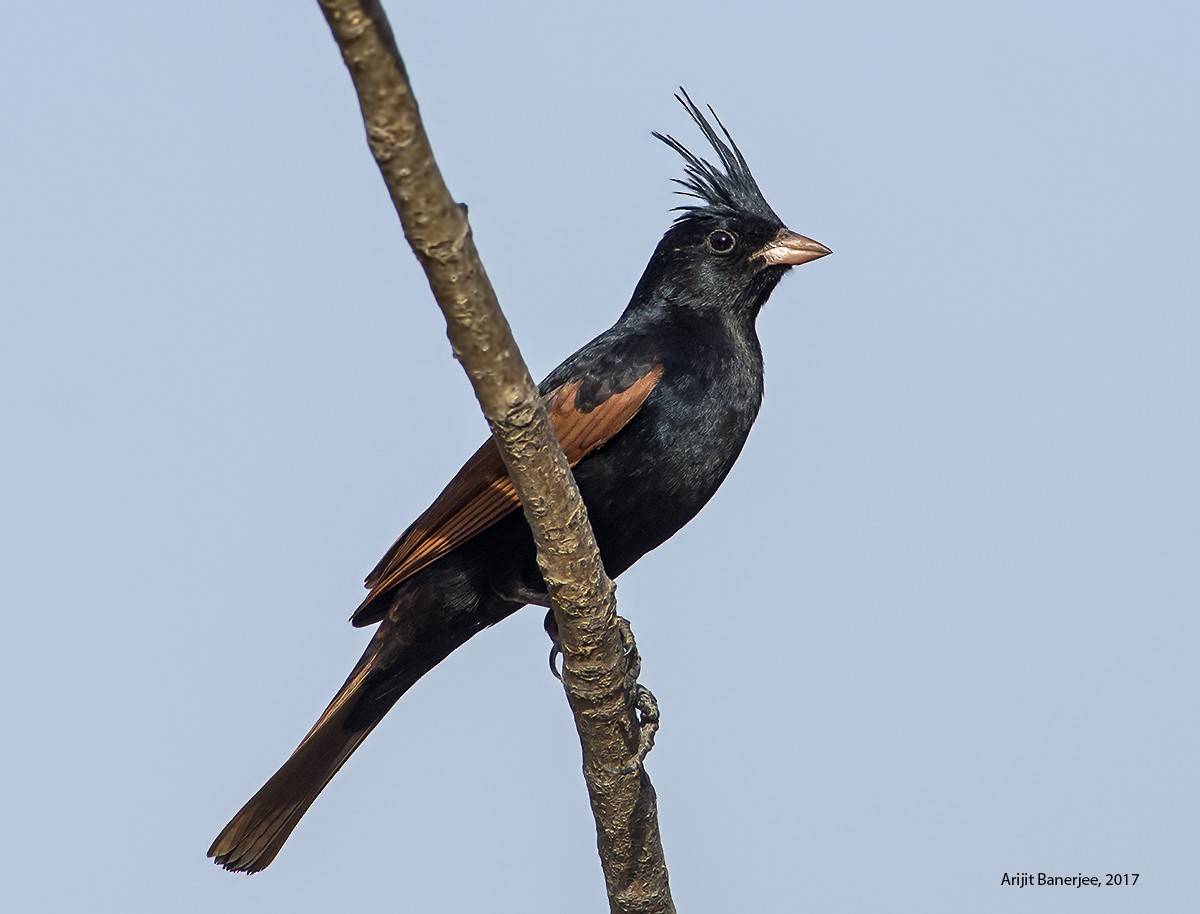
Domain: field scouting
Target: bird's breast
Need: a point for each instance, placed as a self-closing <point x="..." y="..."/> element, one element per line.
<point x="657" y="474"/>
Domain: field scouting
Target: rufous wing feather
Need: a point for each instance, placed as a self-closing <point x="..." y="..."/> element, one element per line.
<point x="481" y="492"/>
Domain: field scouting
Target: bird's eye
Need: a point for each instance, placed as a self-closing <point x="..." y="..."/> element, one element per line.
<point x="721" y="241"/>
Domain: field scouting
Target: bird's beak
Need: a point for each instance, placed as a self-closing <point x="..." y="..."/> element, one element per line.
<point x="787" y="249"/>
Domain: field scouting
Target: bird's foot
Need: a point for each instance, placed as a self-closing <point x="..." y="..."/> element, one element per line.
<point x="646" y="706"/>
<point x="633" y="668"/>
<point x="551" y="626"/>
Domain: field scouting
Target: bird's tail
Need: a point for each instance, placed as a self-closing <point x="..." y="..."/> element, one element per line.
<point x="254" y="836"/>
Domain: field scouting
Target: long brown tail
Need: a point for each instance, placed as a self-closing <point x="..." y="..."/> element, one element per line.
<point x="254" y="836"/>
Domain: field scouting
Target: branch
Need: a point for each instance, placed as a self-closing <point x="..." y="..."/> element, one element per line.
<point x="598" y="674"/>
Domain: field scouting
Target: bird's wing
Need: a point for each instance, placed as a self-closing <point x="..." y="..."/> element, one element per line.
<point x="481" y="493"/>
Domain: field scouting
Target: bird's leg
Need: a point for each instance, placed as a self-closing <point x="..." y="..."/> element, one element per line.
<point x="520" y="592"/>
<point x="517" y="591"/>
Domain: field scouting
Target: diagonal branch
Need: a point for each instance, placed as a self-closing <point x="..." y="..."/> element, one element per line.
<point x="598" y="674"/>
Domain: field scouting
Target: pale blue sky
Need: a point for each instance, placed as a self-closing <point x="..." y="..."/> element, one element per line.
<point x="939" y="624"/>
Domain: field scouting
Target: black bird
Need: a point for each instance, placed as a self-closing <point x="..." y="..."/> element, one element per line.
<point x="651" y="414"/>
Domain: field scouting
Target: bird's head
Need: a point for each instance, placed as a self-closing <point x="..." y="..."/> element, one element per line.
<point x="728" y="251"/>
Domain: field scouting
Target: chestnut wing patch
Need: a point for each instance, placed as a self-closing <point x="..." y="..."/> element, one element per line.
<point x="481" y="493"/>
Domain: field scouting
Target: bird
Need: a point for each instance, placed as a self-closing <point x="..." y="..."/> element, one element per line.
<point x="651" y="415"/>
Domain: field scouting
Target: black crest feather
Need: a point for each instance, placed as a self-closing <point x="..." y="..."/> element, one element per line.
<point x="728" y="189"/>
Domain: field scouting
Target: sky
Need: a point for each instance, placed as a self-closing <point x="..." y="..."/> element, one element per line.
<point x="939" y="624"/>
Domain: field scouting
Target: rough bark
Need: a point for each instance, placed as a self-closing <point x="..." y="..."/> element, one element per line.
<point x="615" y="718"/>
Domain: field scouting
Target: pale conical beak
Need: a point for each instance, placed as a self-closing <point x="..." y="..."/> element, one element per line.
<point x="790" y="250"/>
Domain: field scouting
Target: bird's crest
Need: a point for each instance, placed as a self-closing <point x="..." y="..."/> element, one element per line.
<point x="731" y="190"/>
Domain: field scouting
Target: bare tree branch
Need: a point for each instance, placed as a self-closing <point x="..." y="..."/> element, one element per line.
<point x="598" y="674"/>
